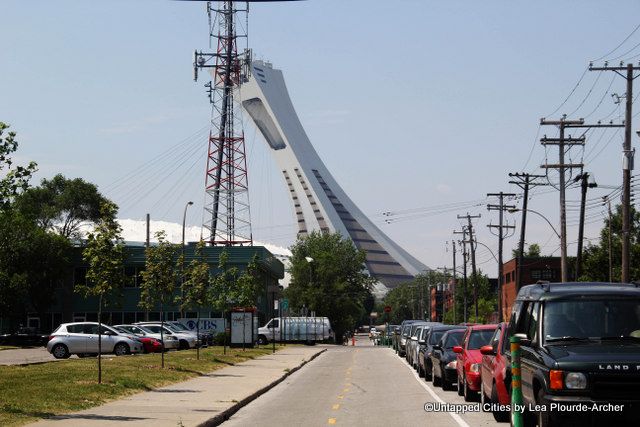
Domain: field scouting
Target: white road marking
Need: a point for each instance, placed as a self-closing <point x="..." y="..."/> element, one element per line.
<point x="456" y="417"/>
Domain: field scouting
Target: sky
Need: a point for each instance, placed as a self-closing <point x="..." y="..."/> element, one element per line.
<point x="418" y="108"/>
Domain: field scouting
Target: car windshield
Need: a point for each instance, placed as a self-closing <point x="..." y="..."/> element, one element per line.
<point x="453" y="339"/>
<point x="480" y="338"/>
<point x="121" y="329"/>
<point x="406" y="330"/>
<point x="435" y="336"/>
<point x="179" y="326"/>
<point x="584" y="319"/>
<point x="143" y="329"/>
<point x="171" y="327"/>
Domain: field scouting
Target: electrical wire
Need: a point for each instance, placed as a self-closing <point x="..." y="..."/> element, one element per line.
<point x="619" y="46"/>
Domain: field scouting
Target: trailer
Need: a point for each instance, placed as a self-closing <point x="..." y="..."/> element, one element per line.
<point x="296" y="329"/>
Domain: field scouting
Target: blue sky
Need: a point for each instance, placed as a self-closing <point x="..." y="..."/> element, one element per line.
<point x="410" y="103"/>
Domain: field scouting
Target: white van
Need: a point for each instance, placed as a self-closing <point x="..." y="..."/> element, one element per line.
<point x="291" y="329"/>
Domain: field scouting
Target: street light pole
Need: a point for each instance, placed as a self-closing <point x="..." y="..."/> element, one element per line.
<point x="184" y="222"/>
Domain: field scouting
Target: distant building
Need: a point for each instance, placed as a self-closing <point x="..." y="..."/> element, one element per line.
<point x="533" y="269"/>
<point x="70" y="306"/>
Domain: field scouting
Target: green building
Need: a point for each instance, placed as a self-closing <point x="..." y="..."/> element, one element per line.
<point x="70" y="306"/>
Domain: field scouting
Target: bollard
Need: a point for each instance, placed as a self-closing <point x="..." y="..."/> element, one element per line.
<point x="353" y="339"/>
<point x="516" y="385"/>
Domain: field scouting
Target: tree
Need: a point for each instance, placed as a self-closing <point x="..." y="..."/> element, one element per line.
<point x="196" y="288"/>
<point x="159" y="277"/>
<point x="334" y="283"/>
<point x="105" y="255"/>
<point x="596" y="256"/>
<point x="15" y="179"/>
<point x="62" y="204"/>
<point x="32" y="265"/>
<point x="533" y="251"/>
<point x="222" y="288"/>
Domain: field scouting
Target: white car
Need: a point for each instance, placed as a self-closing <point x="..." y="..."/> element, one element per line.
<point x="170" y="342"/>
<point x="185" y="341"/>
<point x="82" y="339"/>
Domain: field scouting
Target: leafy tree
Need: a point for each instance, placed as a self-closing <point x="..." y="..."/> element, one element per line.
<point x="533" y="251"/>
<point x="222" y="288"/>
<point x="15" y="179"/>
<point x="196" y="288"/>
<point x="62" y="204"/>
<point x="159" y="277"/>
<point x="32" y="265"/>
<point x="105" y="255"/>
<point x="596" y="256"/>
<point x="333" y="283"/>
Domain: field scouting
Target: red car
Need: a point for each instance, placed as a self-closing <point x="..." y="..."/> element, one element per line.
<point x="150" y="345"/>
<point x="496" y="373"/>
<point x="469" y="359"/>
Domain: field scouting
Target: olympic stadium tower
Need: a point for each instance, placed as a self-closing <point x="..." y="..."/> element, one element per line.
<point x="318" y="201"/>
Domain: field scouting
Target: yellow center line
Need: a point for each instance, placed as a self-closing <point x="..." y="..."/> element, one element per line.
<point x="345" y="390"/>
<point x="331" y="421"/>
<point x="340" y="396"/>
<point x="336" y="406"/>
<point x="347" y="385"/>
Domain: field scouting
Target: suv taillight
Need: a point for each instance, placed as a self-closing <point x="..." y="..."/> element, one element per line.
<point x="50" y="337"/>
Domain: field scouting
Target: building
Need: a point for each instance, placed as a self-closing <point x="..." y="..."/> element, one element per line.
<point x="533" y="269"/>
<point x="318" y="201"/>
<point x="70" y="306"/>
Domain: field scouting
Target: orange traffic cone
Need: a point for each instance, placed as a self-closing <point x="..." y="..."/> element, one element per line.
<point x="353" y="339"/>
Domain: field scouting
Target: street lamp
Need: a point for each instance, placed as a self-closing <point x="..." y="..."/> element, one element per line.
<point x="184" y="221"/>
<point x="310" y="261"/>
<point x="541" y="216"/>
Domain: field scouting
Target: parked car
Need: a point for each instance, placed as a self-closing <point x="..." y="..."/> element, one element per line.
<point x="185" y="341"/>
<point x="149" y="344"/>
<point x="469" y="359"/>
<point x="579" y="344"/>
<point x="204" y="338"/>
<point x="495" y="383"/>
<point x="435" y="334"/>
<point x="443" y="359"/>
<point x="82" y="339"/>
<point x="25" y="337"/>
<point x="421" y="335"/>
<point x="170" y="342"/>
<point x="404" y="333"/>
<point x="412" y="340"/>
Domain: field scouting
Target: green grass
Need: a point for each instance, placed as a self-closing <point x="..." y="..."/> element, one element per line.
<point x="37" y="391"/>
<point x="8" y="347"/>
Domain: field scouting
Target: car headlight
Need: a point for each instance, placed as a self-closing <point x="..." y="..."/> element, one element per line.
<point x="475" y="367"/>
<point x="452" y="365"/>
<point x="575" y="380"/>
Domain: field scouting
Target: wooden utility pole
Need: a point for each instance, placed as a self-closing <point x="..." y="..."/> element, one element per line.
<point x="472" y="246"/>
<point x="627" y="165"/>
<point x="464" y="271"/>
<point x="501" y="207"/>
<point x="561" y="166"/>
<point x="584" y="185"/>
<point x="524" y="181"/>
<point x="455" y="283"/>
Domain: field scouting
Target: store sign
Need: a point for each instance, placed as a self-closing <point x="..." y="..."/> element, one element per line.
<point x="207" y="324"/>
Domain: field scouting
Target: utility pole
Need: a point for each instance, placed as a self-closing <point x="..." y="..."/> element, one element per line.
<point x="584" y="184"/>
<point x="472" y="246"/>
<point x="464" y="271"/>
<point x="524" y="181"/>
<point x="627" y="165"/>
<point x="455" y="283"/>
<point x="501" y="207"/>
<point x="561" y="166"/>
<point x="607" y="201"/>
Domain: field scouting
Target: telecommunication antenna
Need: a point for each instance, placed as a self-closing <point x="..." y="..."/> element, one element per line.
<point x="227" y="214"/>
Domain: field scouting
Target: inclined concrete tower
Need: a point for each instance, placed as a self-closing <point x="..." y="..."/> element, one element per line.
<point x="318" y="201"/>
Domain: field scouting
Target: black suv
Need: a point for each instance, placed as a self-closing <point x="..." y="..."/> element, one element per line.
<point x="580" y="351"/>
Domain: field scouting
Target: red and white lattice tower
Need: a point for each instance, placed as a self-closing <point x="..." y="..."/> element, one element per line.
<point x="226" y="184"/>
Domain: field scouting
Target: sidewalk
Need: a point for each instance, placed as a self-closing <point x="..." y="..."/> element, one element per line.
<point x="203" y="400"/>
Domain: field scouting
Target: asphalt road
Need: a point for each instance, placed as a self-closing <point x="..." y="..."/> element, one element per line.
<point x="361" y="385"/>
<point x="25" y="356"/>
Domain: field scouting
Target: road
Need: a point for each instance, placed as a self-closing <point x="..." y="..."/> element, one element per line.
<point x="361" y="385"/>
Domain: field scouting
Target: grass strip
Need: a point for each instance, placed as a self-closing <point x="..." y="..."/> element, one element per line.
<point x="30" y="392"/>
<point x="8" y="347"/>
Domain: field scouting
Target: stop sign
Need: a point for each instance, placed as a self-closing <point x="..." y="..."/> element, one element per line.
<point x="387" y="309"/>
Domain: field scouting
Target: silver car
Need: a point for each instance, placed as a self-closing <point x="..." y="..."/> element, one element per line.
<point x="186" y="341"/>
<point x="82" y="339"/>
<point x="170" y="342"/>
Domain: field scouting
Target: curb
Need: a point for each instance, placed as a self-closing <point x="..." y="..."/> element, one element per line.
<point x="228" y="413"/>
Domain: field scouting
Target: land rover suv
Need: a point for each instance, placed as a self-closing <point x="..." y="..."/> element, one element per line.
<point x="580" y="352"/>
